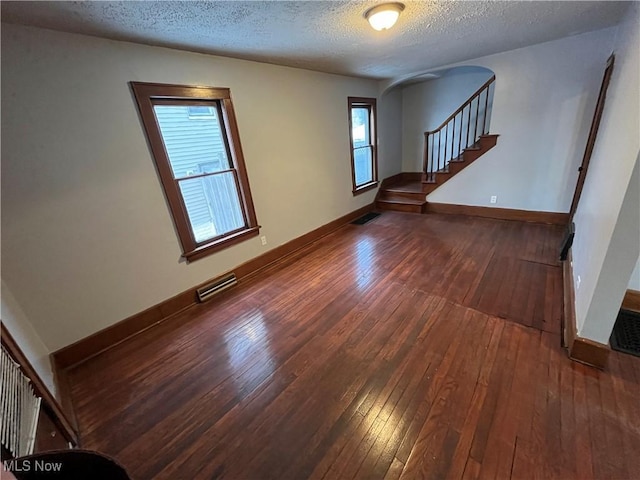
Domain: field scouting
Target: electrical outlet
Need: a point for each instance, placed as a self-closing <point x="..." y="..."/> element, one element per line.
<point x="263" y="240"/>
<point x="494" y="199"/>
<point x="578" y="280"/>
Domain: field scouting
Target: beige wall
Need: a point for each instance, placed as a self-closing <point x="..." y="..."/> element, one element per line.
<point x="86" y="235"/>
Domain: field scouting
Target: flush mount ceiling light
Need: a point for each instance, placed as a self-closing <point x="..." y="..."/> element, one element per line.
<point x="383" y="17"/>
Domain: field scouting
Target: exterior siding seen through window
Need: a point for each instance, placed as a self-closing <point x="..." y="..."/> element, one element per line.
<point x="364" y="148"/>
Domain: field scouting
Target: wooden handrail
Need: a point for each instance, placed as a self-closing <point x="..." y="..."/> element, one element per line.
<point x="468" y="102"/>
<point x="438" y="160"/>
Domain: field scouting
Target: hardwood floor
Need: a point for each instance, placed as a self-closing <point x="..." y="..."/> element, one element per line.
<point x="415" y="346"/>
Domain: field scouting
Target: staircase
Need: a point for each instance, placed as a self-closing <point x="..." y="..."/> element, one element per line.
<point x="459" y="141"/>
<point x="402" y="193"/>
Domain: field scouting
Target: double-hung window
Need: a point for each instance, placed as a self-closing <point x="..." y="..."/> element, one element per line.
<point x="364" y="151"/>
<point x="193" y="136"/>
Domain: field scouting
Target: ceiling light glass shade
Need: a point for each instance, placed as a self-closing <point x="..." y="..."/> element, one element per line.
<point x="383" y="17"/>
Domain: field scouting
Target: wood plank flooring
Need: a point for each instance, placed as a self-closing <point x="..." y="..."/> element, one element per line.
<point x="414" y="346"/>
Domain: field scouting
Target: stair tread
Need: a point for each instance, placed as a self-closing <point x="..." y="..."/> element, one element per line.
<point x="404" y="186"/>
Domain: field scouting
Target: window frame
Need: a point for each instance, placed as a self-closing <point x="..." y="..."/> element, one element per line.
<point x="149" y="94"/>
<point x="370" y="105"/>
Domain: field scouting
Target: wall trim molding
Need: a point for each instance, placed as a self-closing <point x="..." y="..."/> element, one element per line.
<point x="553" y="218"/>
<point x="631" y="300"/>
<point x="579" y="349"/>
<point x="106" y="338"/>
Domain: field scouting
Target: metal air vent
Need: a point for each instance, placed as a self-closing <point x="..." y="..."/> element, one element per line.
<point x="219" y="285"/>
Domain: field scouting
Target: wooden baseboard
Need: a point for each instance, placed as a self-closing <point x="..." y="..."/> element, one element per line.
<point x="579" y="349"/>
<point x="631" y="300"/>
<point x="568" y="302"/>
<point x="552" y="218"/>
<point x="90" y="346"/>
<point x="589" y="352"/>
<point x="63" y="387"/>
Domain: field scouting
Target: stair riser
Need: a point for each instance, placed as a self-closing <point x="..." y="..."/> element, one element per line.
<point x="471" y="155"/>
<point x="400" y="207"/>
<point x="390" y="194"/>
<point x="485" y="143"/>
<point x="456" y="167"/>
<point x="488" y="141"/>
<point x="427" y="188"/>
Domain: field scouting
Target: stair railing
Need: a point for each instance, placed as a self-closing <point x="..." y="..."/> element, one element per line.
<point x="459" y="131"/>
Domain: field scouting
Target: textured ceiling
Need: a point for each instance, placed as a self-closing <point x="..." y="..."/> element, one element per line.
<point x="328" y="36"/>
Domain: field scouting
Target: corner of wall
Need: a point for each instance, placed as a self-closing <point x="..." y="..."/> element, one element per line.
<point x="390" y="133"/>
<point x="619" y="262"/>
<point x="607" y="241"/>
<point x="15" y="320"/>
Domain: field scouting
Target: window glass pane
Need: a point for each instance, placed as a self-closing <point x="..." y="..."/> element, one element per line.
<point x="360" y="126"/>
<point x="213" y="205"/>
<point x="191" y="138"/>
<point x="363" y="165"/>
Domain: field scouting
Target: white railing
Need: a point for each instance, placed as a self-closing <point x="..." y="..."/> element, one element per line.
<point x="20" y="408"/>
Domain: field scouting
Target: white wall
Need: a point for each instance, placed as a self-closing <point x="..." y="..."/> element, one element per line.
<point x="427" y="104"/>
<point x="613" y="278"/>
<point x="390" y="126"/>
<point x="598" y="217"/>
<point x="26" y="337"/>
<point x="543" y="104"/>
<point x="634" y="282"/>
<point x="87" y="239"/>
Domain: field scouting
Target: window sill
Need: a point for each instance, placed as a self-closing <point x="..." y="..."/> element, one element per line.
<point x="365" y="188"/>
<point x="221" y="243"/>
